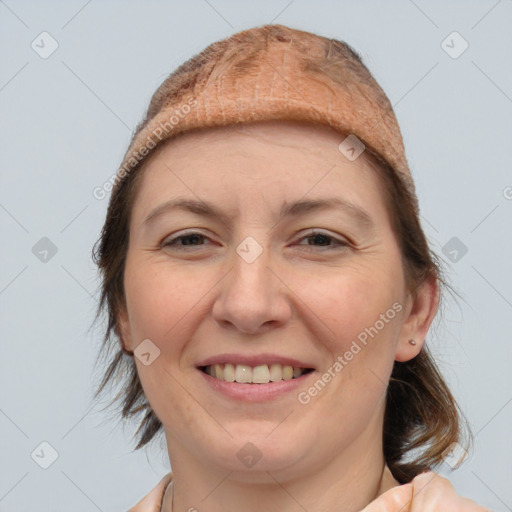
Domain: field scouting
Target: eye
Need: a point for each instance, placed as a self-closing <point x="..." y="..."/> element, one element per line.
<point x="324" y="239"/>
<point x="194" y="239"/>
<point x="188" y="239"/>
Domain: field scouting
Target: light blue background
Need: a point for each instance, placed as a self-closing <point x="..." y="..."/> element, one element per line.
<point x="66" y="122"/>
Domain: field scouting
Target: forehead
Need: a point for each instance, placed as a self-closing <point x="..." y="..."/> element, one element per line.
<point x="292" y="135"/>
<point x="265" y="162"/>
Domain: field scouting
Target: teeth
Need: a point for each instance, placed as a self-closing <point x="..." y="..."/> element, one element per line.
<point x="228" y="374"/>
<point x="243" y="373"/>
<point x="276" y="372"/>
<point x="218" y="371"/>
<point x="261" y="374"/>
<point x="287" y="372"/>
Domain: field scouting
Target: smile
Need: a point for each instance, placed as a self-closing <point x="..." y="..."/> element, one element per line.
<point x="260" y="374"/>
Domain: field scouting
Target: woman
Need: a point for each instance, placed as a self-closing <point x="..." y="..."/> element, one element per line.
<point x="269" y="288"/>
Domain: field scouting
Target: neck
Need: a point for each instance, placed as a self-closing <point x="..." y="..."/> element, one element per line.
<point x="345" y="483"/>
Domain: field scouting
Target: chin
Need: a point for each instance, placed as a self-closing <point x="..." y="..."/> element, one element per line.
<point x="251" y="453"/>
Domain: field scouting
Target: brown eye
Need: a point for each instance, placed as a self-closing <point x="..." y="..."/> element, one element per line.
<point x="320" y="239"/>
<point x="188" y="239"/>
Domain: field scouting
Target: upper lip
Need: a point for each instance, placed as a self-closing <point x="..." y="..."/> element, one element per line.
<point x="254" y="360"/>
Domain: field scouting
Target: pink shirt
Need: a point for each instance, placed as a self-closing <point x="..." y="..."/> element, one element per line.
<point x="153" y="501"/>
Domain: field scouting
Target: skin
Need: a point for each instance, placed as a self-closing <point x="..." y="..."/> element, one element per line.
<point x="301" y="298"/>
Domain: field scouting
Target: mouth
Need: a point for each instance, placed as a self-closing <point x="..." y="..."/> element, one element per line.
<point x="260" y="374"/>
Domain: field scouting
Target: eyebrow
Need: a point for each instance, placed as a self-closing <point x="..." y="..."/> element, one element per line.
<point x="293" y="209"/>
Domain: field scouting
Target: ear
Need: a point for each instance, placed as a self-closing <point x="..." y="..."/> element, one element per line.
<point x="124" y="331"/>
<point x="419" y="314"/>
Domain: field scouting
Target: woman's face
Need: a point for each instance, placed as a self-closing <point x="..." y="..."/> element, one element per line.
<point x="255" y="284"/>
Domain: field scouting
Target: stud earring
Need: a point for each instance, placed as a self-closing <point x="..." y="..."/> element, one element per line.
<point x="412" y="342"/>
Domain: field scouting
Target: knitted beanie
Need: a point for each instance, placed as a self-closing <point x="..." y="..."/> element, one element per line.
<point x="269" y="73"/>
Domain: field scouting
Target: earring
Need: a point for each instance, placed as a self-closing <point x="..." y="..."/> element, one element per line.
<point x="412" y="342"/>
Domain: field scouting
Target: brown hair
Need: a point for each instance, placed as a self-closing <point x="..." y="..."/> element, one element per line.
<point x="422" y="419"/>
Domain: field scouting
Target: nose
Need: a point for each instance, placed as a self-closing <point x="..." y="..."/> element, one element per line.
<point x="253" y="296"/>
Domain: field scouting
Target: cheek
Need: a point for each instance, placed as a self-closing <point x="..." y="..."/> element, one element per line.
<point x="159" y="301"/>
<point x="358" y="311"/>
<point x="350" y="301"/>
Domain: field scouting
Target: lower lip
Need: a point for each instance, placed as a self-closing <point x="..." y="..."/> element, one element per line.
<point x="255" y="392"/>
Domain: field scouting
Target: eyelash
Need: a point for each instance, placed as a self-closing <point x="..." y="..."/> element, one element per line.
<point x="172" y="241"/>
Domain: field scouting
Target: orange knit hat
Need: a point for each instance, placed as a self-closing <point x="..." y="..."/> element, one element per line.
<point x="268" y="73"/>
